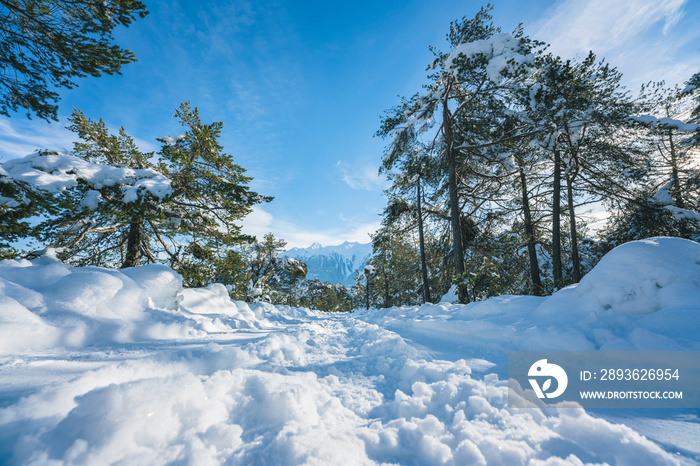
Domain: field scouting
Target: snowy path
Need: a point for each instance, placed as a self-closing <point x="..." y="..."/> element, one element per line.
<point x="325" y="389"/>
<point x="100" y="366"/>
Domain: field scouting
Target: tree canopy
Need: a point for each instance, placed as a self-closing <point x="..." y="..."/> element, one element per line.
<point x="47" y="44"/>
<point x="108" y="203"/>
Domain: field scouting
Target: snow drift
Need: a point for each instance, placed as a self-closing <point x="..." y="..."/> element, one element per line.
<point x="102" y="366"/>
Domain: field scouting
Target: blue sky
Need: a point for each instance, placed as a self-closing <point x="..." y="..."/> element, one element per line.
<point x="300" y="86"/>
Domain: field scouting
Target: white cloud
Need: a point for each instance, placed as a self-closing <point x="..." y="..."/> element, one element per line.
<point x="646" y="40"/>
<point x="361" y="177"/>
<point x="602" y="25"/>
<point x="260" y="222"/>
<point x="19" y="137"/>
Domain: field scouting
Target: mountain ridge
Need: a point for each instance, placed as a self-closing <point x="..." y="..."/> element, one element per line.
<point x="333" y="264"/>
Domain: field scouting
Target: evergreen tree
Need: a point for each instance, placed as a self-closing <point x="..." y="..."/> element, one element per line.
<point x="326" y="297"/>
<point x="644" y="218"/>
<point x="47" y="44"/>
<point x="397" y="280"/>
<point x="271" y="278"/>
<point x="407" y="204"/>
<point x="18" y="202"/>
<point x="110" y="204"/>
<point x="671" y="141"/>
<point x="457" y="110"/>
<point x="583" y="114"/>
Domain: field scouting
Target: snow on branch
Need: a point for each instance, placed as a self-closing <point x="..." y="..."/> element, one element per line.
<point x="54" y="173"/>
<point x="683" y="214"/>
<point x="503" y="52"/>
<point x="666" y="122"/>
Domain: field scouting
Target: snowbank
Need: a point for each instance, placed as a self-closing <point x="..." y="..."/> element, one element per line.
<point x="643" y="295"/>
<point x="47" y="304"/>
<point x="104" y="366"/>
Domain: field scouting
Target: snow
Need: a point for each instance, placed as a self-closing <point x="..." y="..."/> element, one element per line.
<point x="666" y="123"/>
<point x="502" y="51"/>
<point x="663" y="195"/>
<point x="54" y="173"/>
<point x="103" y="366"/>
<point x="688" y="89"/>
<point x="681" y="214"/>
<point x="663" y="198"/>
<point x="451" y="296"/>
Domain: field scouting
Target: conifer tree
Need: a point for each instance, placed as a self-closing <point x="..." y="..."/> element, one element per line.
<point x="46" y="44"/>
<point x="466" y="84"/>
<point x="583" y="111"/>
<point x="110" y="204"/>
<point x="271" y="278"/>
<point x="672" y="140"/>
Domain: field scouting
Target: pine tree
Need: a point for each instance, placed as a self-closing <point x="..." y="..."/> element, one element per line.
<point x="110" y="204"/>
<point x="47" y="44"/>
<point x="672" y="141"/>
<point x="406" y="200"/>
<point x="271" y="278"/>
<point x="583" y="113"/>
<point x="458" y="109"/>
<point x="18" y="202"/>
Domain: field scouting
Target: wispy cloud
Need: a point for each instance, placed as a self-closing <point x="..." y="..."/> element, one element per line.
<point x="20" y="137"/>
<point x="361" y="177"/>
<point x="637" y="36"/>
<point x="261" y="222"/>
<point x="602" y="25"/>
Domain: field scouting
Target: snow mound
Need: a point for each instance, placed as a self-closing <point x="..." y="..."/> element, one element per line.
<point x="643" y="295"/>
<point x="639" y="278"/>
<point x="101" y="366"/>
<point x="64" y="306"/>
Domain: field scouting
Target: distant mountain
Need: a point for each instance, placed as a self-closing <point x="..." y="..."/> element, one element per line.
<point x="333" y="264"/>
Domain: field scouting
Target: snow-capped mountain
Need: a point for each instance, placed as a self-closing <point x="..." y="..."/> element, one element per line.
<point x="333" y="264"/>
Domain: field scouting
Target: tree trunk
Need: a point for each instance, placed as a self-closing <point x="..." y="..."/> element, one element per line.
<point x="575" y="260"/>
<point x="137" y="232"/>
<point x="457" y="248"/>
<point x="556" y="222"/>
<point x="530" y="238"/>
<point x="387" y="297"/>
<point x="421" y="240"/>
<point x="675" y="190"/>
<point x="367" y="292"/>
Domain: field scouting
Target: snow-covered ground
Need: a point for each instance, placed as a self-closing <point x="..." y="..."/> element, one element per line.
<point x="102" y="366"/>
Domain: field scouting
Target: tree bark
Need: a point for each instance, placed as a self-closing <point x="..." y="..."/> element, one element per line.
<point x="556" y="222"/>
<point x="530" y="238"/>
<point x="134" y="244"/>
<point x="421" y="240"/>
<point x="457" y="248"/>
<point x="675" y="190"/>
<point x="575" y="260"/>
<point x="387" y="297"/>
<point x="367" y="292"/>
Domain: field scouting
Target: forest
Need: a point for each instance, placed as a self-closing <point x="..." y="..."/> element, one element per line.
<point x="500" y="169"/>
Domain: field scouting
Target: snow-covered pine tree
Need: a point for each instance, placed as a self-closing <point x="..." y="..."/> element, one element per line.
<point x="269" y="277"/>
<point x="667" y="202"/>
<point x="581" y="110"/>
<point x="110" y="204"/>
<point x="458" y="108"/>
<point x="672" y="139"/>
